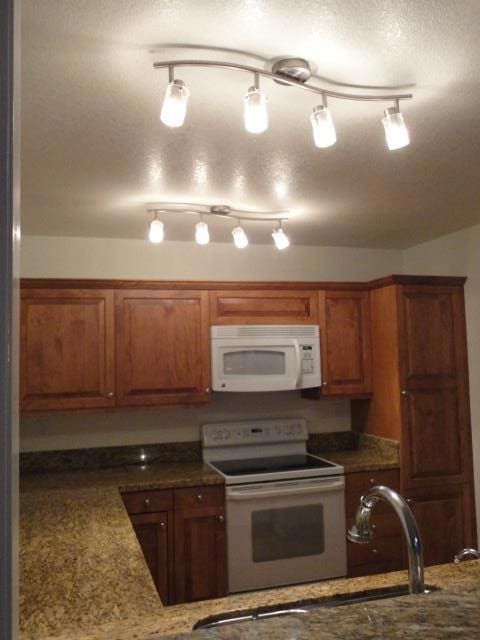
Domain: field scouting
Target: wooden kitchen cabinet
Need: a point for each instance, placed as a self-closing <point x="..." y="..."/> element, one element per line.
<point x="385" y="552"/>
<point x="163" y="347"/>
<point x="344" y="318"/>
<point x="420" y="398"/>
<point x="200" y="545"/>
<point x="67" y="349"/>
<point x="182" y="536"/>
<point x="263" y="307"/>
<point x="152" y="531"/>
<point x="444" y="517"/>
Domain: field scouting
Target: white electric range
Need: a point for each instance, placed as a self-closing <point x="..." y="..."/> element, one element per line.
<point x="285" y="508"/>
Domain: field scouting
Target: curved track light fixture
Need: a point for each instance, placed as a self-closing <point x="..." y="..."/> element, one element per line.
<point x="202" y="235"/>
<point x="293" y="72"/>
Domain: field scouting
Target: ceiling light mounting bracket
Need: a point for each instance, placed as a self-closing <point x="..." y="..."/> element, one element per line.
<point x="296" y="69"/>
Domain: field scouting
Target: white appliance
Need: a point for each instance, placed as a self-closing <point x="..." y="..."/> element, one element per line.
<point x="285" y="508"/>
<point x="265" y="357"/>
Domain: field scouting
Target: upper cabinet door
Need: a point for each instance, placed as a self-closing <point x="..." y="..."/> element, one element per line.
<point x="345" y="342"/>
<point x="163" y="347"/>
<point x="263" y="307"/>
<point x="67" y="349"/>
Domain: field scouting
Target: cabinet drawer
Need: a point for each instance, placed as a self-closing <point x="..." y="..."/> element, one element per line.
<point x="356" y="484"/>
<point x="198" y="497"/>
<point x="373" y="568"/>
<point x="147" y="501"/>
<point x="379" y="550"/>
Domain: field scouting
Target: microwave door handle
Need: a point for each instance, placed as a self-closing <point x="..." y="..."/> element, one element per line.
<point x="298" y="360"/>
<point x="274" y="493"/>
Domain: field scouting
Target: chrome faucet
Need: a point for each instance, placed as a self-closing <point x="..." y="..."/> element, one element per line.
<point x="464" y="553"/>
<point x="361" y="531"/>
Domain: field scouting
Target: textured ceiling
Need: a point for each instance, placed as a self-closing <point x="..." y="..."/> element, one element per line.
<point x="94" y="151"/>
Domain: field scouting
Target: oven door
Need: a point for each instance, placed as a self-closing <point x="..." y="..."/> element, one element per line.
<point x="285" y="532"/>
<point x="263" y="364"/>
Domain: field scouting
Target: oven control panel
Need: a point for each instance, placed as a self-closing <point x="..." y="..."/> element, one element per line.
<point x="254" y="432"/>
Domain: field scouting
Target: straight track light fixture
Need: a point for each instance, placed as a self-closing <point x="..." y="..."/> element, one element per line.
<point x="202" y="235"/>
<point x="293" y="72"/>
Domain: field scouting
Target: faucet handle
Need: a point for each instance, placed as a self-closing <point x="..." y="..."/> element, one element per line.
<point x="465" y="553"/>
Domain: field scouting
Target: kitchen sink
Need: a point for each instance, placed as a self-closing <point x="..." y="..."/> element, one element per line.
<point x="304" y="606"/>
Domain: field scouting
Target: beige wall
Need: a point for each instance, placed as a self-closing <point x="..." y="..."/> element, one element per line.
<point x="459" y="254"/>
<point x="52" y="257"/>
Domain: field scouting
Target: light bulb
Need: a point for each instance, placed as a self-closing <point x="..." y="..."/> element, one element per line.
<point x="323" y="128"/>
<point x="201" y="233"/>
<point x="280" y="238"/>
<point x="156" y="231"/>
<point x="396" y="132"/>
<point x="239" y="237"/>
<point x="256" y="116"/>
<point x="174" y="105"/>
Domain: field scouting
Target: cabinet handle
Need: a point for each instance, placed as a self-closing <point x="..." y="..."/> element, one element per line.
<point x="404" y="392"/>
<point x="324" y="384"/>
<point x="375" y="552"/>
<point x="199" y="497"/>
<point x="372" y="480"/>
<point x="207" y="390"/>
<point x="162" y="525"/>
<point x="110" y="394"/>
<point x="410" y="501"/>
<point x="146" y="503"/>
<point x="221" y="519"/>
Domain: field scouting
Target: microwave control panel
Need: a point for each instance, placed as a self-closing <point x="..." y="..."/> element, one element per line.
<point x="307" y="358"/>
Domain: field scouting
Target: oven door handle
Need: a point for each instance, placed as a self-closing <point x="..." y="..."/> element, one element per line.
<point x="238" y="495"/>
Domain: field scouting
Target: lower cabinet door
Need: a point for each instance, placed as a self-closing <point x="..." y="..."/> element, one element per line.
<point x="152" y="530"/>
<point x="200" y="554"/>
<point x="445" y="518"/>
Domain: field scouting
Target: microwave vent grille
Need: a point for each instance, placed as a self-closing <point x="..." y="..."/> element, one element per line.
<point x="265" y="331"/>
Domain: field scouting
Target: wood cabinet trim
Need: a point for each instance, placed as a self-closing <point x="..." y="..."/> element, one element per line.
<point x="98" y="283"/>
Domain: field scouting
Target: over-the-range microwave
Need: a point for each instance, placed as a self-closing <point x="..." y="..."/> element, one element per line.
<point x="265" y="357"/>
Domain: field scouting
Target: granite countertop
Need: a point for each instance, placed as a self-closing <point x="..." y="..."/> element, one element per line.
<point x="451" y="612"/>
<point x="81" y="564"/>
<point x="80" y="561"/>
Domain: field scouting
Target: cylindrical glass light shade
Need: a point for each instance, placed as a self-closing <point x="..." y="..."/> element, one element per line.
<point x="256" y="116"/>
<point x="174" y="105"/>
<point x="239" y="237"/>
<point x="280" y="238"/>
<point x="323" y="128"/>
<point x="201" y="233"/>
<point x="156" y="231"/>
<point x="396" y="132"/>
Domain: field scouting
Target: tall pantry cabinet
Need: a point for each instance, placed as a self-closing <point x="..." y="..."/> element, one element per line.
<point x="420" y="397"/>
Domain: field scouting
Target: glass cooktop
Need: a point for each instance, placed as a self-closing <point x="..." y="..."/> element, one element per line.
<point x="276" y="464"/>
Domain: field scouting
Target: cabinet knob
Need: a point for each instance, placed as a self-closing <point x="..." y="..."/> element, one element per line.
<point x="162" y="525"/>
<point x="372" y="480"/>
<point x="375" y="552"/>
<point x="207" y="390"/>
<point x="110" y="394"/>
<point x="324" y="384"/>
<point x="221" y="519"/>
<point x="146" y="503"/>
<point x="404" y="392"/>
<point x="410" y="501"/>
<point x="199" y="497"/>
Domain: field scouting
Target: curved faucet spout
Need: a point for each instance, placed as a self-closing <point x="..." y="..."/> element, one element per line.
<point x="361" y="531"/>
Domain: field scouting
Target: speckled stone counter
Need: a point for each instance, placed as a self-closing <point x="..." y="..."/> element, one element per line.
<point x="81" y="565"/>
<point x="453" y="612"/>
<point x="80" y="561"/>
